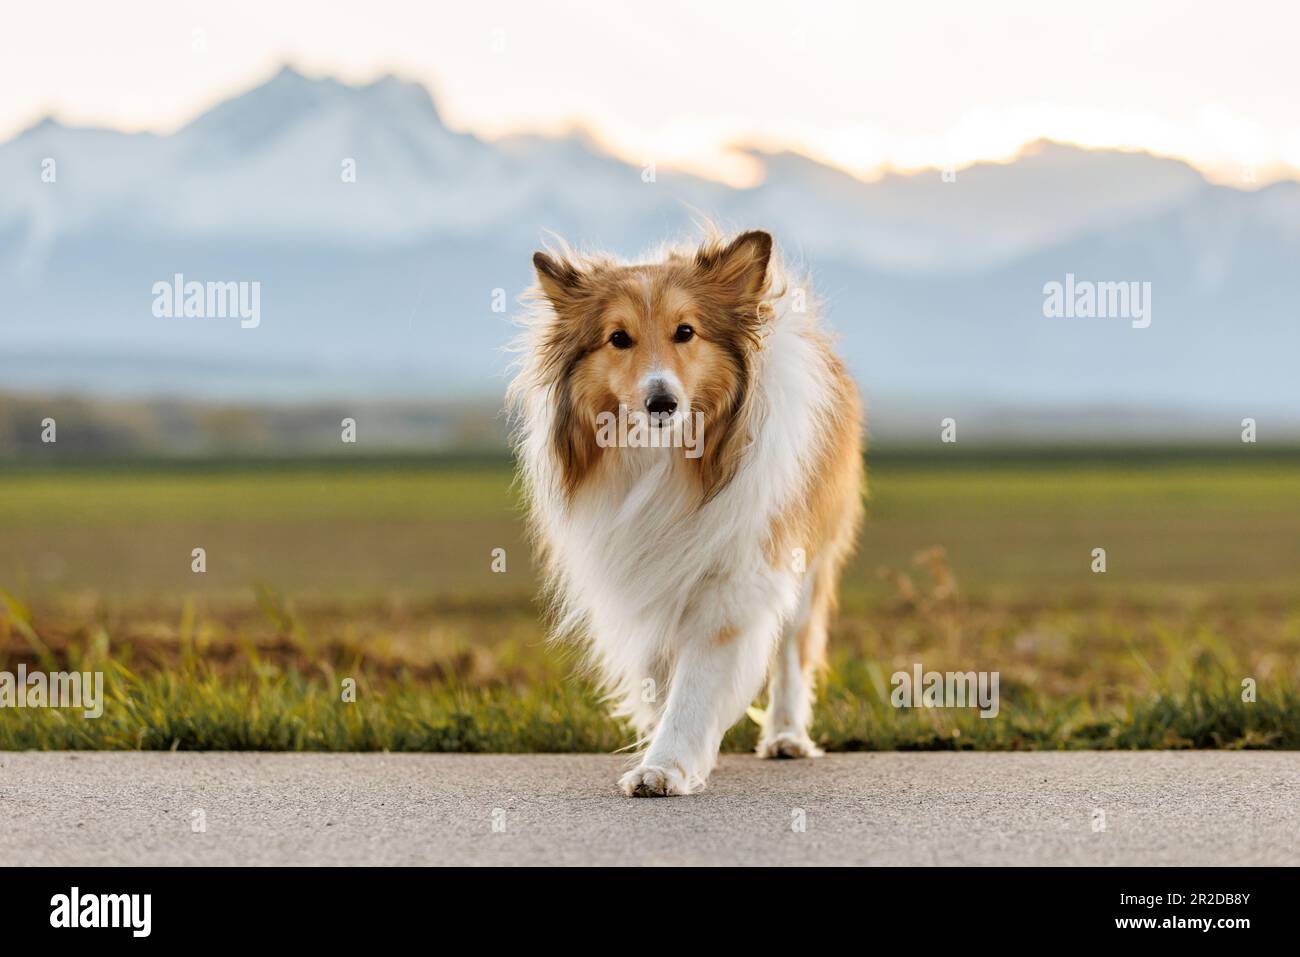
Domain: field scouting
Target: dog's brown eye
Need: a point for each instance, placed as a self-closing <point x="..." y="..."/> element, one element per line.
<point x="620" y="340"/>
<point x="683" y="333"/>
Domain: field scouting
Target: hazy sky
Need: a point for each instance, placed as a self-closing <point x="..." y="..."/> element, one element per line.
<point x="862" y="85"/>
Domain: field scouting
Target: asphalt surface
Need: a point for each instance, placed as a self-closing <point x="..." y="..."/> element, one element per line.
<point x="953" y="809"/>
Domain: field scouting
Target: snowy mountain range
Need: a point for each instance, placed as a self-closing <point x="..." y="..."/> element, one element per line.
<point x="381" y="241"/>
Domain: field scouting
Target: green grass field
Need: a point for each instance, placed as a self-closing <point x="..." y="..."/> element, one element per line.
<point x="380" y="572"/>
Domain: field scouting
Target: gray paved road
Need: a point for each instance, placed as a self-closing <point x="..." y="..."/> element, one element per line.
<point x="1159" y="808"/>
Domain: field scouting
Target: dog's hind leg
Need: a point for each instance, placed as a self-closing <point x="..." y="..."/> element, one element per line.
<point x="798" y="661"/>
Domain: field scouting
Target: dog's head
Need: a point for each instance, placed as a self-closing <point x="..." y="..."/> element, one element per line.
<point x="665" y="340"/>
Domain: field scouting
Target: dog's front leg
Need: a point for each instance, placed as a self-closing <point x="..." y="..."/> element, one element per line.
<point x="713" y="680"/>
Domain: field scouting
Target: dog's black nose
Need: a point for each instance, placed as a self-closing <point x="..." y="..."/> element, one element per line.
<point x="661" y="403"/>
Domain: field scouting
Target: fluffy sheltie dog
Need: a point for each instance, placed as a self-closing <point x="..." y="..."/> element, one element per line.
<point x="695" y="551"/>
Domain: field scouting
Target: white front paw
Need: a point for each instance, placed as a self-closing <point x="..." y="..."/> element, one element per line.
<point x="788" y="744"/>
<point x="651" y="781"/>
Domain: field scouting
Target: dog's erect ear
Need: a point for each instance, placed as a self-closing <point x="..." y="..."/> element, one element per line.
<point x="740" y="267"/>
<point x="559" y="279"/>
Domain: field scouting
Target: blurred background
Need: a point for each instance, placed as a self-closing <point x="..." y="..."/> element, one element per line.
<point x="383" y="175"/>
